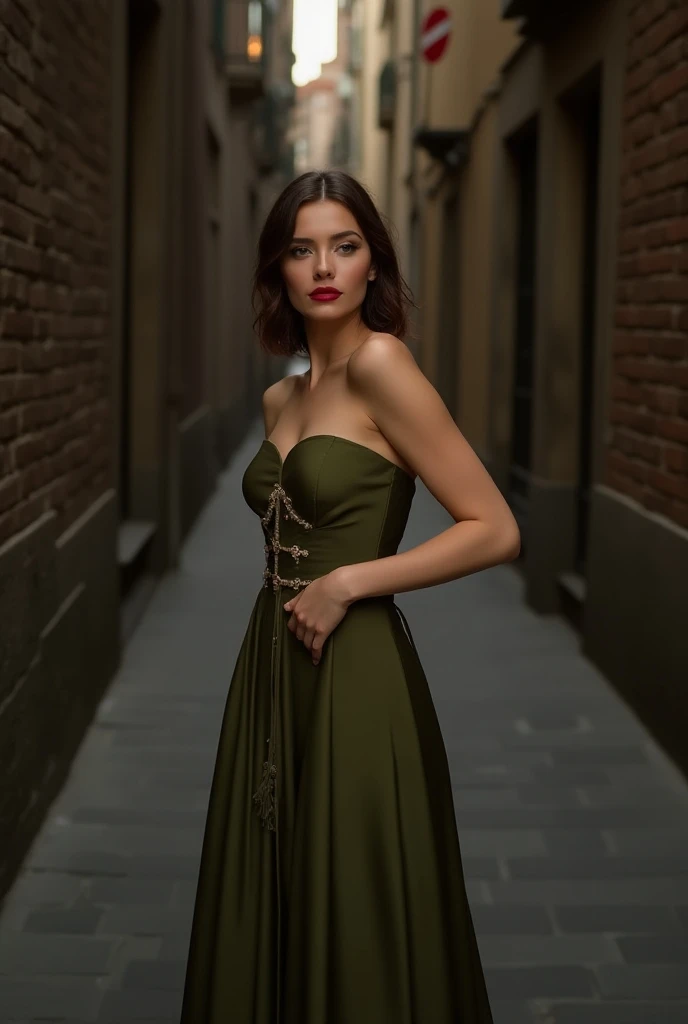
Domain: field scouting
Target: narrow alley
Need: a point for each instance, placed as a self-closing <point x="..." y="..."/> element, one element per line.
<point x="573" y="825"/>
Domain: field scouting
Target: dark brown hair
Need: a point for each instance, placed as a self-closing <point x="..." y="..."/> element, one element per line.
<point x="280" y="327"/>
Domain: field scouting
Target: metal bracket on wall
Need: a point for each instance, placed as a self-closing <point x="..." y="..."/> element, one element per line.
<point x="449" y="145"/>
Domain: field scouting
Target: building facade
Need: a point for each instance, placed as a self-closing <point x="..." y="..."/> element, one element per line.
<point x="542" y="218"/>
<point x="589" y="338"/>
<point x="138" y="151"/>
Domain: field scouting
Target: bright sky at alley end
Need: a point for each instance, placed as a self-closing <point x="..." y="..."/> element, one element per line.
<point x="314" y="39"/>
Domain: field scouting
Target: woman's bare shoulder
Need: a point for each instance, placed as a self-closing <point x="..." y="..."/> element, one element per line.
<point x="276" y="396"/>
<point x="377" y="355"/>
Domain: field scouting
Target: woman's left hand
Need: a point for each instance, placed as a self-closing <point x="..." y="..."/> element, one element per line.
<point x="317" y="610"/>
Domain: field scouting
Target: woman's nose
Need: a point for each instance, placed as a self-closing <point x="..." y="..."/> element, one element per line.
<point x="323" y="267"/>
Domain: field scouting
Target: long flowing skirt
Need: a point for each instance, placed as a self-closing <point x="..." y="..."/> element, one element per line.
<point x="353" y="910"/>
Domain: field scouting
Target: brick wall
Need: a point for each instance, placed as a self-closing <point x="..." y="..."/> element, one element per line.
<point x="54" y="253"/>
<point x="648" y="452"/>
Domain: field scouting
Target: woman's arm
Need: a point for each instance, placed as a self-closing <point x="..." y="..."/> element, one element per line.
<point x="409" y="412"/>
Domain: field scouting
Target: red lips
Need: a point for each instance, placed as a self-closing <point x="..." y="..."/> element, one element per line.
<point x="330" y="292"/>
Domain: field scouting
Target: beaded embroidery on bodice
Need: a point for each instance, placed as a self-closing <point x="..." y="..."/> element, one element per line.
<point x="279" y="498"/>
<point x="330" y="502"/>
<point x="279" y="504"/>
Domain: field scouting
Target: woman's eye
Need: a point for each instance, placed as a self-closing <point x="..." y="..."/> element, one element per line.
<point x="298" y="249"/>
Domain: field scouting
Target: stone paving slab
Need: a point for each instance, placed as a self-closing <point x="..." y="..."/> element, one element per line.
<point x="573" y="825"/>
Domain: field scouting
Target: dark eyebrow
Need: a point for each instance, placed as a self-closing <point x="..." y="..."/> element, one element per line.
<point x="333" y="238"/>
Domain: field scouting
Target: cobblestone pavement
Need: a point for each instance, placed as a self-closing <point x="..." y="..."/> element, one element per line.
<point x="573" y="826"/>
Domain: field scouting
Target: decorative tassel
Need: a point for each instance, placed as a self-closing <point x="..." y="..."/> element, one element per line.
<point x="264" y="797"/>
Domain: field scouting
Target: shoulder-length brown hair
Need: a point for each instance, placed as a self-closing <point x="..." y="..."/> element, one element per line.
<point x="280" y="327"/>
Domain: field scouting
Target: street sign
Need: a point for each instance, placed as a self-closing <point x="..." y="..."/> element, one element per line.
<point x="434" y="33"/>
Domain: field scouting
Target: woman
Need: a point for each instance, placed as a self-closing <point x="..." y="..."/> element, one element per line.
<point x="331" y="888"/>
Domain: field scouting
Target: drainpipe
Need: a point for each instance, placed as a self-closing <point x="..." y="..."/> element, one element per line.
<point x="173" y="389"/>
<point x="415" y="211"/>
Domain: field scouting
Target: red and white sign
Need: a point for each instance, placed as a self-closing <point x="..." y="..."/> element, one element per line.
<point x="434" y="33"/>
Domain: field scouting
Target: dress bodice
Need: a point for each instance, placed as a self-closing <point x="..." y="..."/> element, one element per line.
<point x="331" y="502"/>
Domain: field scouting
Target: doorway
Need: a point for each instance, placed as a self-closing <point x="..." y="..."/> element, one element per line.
<point x="585" y="107"/>
<point x="523" y="148"/>
<point x="448" y="326"/>
<point x="139" y="502"/>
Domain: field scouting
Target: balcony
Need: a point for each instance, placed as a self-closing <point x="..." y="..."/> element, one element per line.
<point x="542" y="18"/>
<point x="448" y="145"/>
<point x="529" y="9"/>
<point x="244" y="50"/>
<point x="387" y="95"/>
<point x="267" y="138"/>
<point x="513" y="8"/>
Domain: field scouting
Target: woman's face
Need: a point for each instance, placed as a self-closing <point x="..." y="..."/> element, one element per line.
<point x="328" y="251"/>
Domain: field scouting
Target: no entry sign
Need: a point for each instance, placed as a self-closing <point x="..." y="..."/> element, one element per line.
<point x="434" y="33"/>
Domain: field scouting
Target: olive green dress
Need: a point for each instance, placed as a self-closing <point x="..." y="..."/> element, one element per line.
<point x="331" y="888"/>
